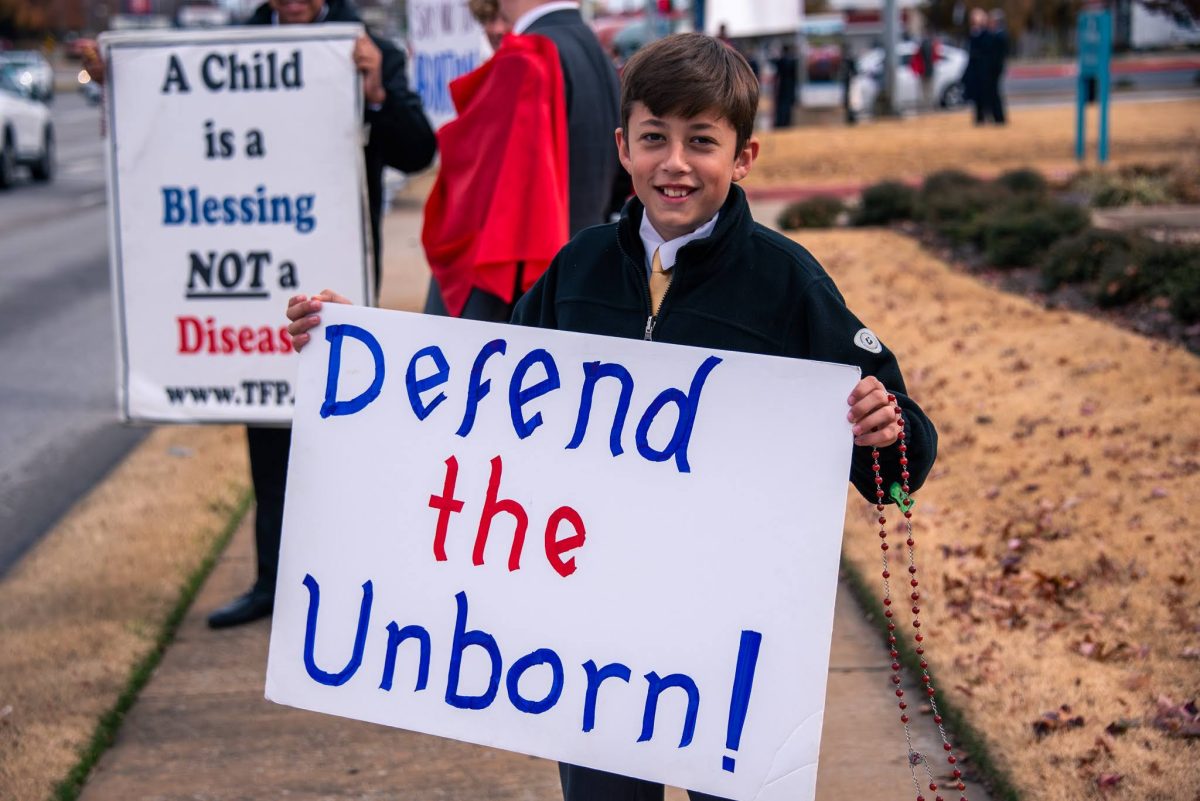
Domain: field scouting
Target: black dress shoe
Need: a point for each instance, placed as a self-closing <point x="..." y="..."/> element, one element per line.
<point x="252" y="606"/>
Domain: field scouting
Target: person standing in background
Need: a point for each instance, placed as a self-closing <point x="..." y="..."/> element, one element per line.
<point x="593" y="101"/>
<point x="591" y="95"/>
<point x="487" y="14"/>
<point x="998" y="42"/>
<point x="924" y="65"/>
<point x="399" y="137"/>
<point x="976" y="77"/>
<point x="786" y="75"/>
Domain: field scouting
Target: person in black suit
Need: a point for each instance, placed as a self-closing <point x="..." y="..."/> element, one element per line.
<point x="401" y="138"/>
<point x="593" y="103"/>
<point x="998" y="42"/>
<point x="596" y="188"/>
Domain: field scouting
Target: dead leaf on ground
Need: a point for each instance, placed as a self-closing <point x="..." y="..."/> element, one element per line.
<point x="1058" y="720"/>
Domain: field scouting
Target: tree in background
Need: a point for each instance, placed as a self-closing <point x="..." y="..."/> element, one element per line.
<point x="21" y="18"/>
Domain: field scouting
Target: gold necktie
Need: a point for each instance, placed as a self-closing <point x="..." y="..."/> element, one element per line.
<point x="659" y="281"/>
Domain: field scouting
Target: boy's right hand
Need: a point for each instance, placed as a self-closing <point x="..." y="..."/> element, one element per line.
<point x="303" y="312"/>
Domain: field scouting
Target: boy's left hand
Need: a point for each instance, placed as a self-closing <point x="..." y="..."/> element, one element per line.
<point x="873" y="417"/>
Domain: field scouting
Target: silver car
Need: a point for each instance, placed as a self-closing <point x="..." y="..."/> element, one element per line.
<point x="32" y="71"/>
<point x="26" y="130"/>
<point x="947" y="86"/>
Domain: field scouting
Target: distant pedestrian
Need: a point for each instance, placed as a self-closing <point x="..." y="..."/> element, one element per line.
<point x="998" y="41"/>
<point x="851" y="91"/>
<point x="978" y="77"/>
<point x="924" y="66"/>
<point x="786" y="75"/>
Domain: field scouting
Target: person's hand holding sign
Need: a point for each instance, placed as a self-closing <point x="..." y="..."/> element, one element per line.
<point x="873" y="417"/>
<point x="369" y="62"/>
<point x="304" y="314"/>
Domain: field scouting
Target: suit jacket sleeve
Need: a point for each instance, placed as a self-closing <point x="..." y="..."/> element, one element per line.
<point x="400" y="131"/>
<point x="831" y="330"/>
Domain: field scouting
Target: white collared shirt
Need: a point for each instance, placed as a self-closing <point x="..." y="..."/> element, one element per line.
<point x="667" y="251"/>
<point x="532" y="15"/>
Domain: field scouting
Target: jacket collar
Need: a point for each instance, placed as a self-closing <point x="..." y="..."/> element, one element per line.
<point x="700" y="258"/>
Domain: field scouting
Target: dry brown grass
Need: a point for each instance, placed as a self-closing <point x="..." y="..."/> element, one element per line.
<point x="1057" y="534"/>
<point x="89" y="601"/>
<point x="1044" y="138"/>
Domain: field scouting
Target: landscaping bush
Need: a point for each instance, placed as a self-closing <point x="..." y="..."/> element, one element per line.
<point x="1141" y="190"/>
<point x="943" y="181"/>
<point x="1023" y="182"/>
<point x="1083" y="257"/>
<point x="1183" y="185"/>
<point x="956" y="211"/>
<point x="819" y="211"/>
<point x="1133" y="185"/>
<point x="1183" y="286"/>
<point x="1017" y="235"/>
<point x="885" y="202"/>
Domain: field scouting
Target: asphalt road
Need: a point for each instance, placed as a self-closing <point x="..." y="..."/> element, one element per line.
<point x="59" y="432"/>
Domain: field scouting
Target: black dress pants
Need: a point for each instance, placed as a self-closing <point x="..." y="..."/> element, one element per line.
<point x="588" y="784"/>
<point x="268" y="470"/>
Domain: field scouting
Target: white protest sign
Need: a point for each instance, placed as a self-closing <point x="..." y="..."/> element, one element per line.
<point x="601" y="551"/>
<point x="446" y="42"/>
<point x="235" y="181"/>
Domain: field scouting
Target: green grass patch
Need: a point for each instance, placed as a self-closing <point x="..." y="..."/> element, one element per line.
<point x="966" y="739"/>
<point x="108" y="725"/>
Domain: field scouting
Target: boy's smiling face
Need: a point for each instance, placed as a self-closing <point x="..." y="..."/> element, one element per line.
<point x="682" y="166"/>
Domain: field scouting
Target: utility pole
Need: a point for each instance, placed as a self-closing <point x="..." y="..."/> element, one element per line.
<point x="891" y="30"/>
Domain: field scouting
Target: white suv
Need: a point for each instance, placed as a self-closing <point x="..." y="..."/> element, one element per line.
<point x="26" y="133"/>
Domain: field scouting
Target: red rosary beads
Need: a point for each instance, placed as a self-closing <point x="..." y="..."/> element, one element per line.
<point x="914" y="757"/>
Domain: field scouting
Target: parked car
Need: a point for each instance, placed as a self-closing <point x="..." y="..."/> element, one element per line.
<point x="947" y="77"/>
<point x="91" y="91"/>
<point x="33" y="71"/>
<point x="26" y="130"/>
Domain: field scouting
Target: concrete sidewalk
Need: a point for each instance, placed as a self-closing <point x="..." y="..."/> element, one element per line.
<point x="201" y="728"/>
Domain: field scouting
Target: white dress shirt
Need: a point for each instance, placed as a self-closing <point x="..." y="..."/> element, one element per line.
<point x="529" y="17"/>
<point x="667" y="251"/>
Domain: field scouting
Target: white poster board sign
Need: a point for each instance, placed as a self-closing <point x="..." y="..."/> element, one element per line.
<point x="753" y="17"/>
<point x="601" y="551"/>
<point x="236" y="180"/>
<point x="445" y="42"/>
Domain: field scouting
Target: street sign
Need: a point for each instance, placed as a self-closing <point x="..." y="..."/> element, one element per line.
<point x="1095" y="51"/>
<point x="236" y="180"/>
<point x="603" y="551"/>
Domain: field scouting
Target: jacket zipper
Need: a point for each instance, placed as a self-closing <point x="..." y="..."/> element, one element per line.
<point x="651" y="317"/>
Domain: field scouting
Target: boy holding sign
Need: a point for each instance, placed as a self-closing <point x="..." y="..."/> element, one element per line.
<point x="687" y="264"/>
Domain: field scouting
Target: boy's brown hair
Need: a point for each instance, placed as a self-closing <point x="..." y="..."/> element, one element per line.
<point x="688" y="74"/>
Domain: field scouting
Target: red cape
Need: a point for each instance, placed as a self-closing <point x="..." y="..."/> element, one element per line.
<point x="501" y="194"/>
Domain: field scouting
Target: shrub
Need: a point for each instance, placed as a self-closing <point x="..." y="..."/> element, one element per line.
<point x="957" y="211"/>
<point x="1142" y="274"/>
<point x="819" y="211"/>
<point x="884" y="202"/>
<point x="1023" y="182"/>
<point x="942" y="181"/>
<point x="1084" y="257"/>
<point x="1183" y="185"/>
<point x="1018" y="234"/>
<point x="1141" y="190"/>
<point x="1183" y="288"/>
